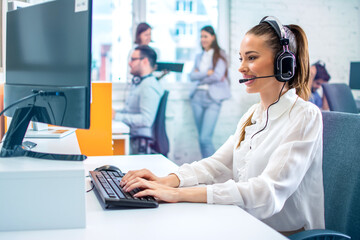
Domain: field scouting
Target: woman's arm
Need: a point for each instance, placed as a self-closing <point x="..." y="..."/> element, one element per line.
<point x="218" y="74"/>
<point x="195" y="75"/>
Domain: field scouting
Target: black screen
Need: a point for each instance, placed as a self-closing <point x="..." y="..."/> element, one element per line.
<point x="355" y="75"/>
<point x="48" y="48"/>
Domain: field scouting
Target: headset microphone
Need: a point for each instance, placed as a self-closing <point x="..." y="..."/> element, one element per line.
<point x="276" y="75"/>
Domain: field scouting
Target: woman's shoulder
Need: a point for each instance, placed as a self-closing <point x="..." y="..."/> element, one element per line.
<point x="306" y="109"/>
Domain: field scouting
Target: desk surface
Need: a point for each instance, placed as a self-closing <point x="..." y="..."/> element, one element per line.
<point x="168" y="221"/>
<point x="118" y="127"/>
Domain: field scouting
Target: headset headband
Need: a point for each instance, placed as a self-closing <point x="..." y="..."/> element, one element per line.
<point x="278" y="27"/>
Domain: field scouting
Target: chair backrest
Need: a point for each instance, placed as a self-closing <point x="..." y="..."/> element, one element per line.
<point x="340" y="97"/>
<point x="161" y="141"/>
<point x="341" y="169"/>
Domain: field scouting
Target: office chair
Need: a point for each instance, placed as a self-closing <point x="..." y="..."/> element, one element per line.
<point x="340" y="97"/>
<point x="160" y="142"/>
<point x="341" y="176"/>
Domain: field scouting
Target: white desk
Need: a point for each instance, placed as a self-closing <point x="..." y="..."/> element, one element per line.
<point x="43" y="194"/>
<point x="120" y="131"/>
<point x="168" y="221"/>
<point x="65" y="145"/>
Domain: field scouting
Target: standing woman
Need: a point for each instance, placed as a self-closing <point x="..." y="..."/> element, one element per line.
<point x="142" y="37"/>
<point x="272" y="165"/>
<point x="143" y="34"/>
<point x="211" y="88"/>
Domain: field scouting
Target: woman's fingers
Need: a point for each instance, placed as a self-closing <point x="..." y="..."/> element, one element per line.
<point x="135" y="183"/>
<point x="143" y="173"/>
<point x="160" y="192"/>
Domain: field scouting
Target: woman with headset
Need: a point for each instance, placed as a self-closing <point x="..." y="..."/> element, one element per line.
<point x="272" y="166"/>
<point x="210" y="89"/>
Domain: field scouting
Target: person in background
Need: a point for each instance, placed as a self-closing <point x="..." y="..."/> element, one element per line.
<point x="211" y="88"/>
<point x="142" y="37"/>
<point x="144" y="96"/>
<point x="143" y="34"/>
<point x="318" y="76"/>
<point x="272" y="166"/>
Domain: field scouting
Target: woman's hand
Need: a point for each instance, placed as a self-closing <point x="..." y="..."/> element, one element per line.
<point x="166" y="193"/>
<point x="171" y="180"/>
<point x="209" y="72"/>
<point x="143" y="173"/>
<point x="151" y="188"/>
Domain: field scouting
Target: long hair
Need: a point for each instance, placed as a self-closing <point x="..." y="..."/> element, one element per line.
<point x="218" y="52"/>
<point x="142" y="27"/>
<point x="298" y="44"/>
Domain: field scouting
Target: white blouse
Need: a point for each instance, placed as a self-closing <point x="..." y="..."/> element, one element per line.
<point x="276" y="175"/>
<point x="206" y="60"/>
<point x="205" y="65"/>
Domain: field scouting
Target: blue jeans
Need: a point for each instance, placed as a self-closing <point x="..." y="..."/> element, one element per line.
<point x="206" y="112"/>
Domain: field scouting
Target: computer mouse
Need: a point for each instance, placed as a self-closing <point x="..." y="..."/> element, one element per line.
<point x="108" y="168"/>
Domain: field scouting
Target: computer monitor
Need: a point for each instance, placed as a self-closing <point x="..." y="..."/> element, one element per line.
<point x="48" y="66"/>
<point x="355" y="75"/>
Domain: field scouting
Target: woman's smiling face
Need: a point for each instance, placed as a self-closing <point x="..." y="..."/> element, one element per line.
<point x="256" y="60"/>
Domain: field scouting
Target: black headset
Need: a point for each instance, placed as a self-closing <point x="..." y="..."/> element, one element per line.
<point x="285" y="60"/>
<point x="136" y="80"/>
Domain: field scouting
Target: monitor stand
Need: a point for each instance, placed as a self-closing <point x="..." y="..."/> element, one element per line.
<point x="12" y="145"/>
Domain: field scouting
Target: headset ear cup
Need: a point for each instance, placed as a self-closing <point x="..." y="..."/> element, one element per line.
<point x="285" y="62"/>
<point x="136" y="80"/>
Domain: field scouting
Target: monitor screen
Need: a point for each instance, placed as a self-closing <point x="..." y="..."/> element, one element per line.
<point x="355" y="75"/>
<point x="48" y="56"/>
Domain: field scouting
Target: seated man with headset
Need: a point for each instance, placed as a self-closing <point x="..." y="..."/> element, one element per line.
<point x="143" y="99"/>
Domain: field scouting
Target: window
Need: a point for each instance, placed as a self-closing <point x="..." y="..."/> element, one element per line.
<point x="177" y="39"/>
<point x="111" y="39"/>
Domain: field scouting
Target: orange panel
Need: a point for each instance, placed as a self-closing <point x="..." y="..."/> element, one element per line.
<point x="97" y="141"/>
<point x="119" y="146"/>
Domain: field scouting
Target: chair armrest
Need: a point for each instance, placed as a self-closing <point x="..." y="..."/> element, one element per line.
<point x="312" y="234"/>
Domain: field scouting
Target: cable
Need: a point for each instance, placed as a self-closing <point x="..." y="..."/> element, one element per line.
<point x="19" y="101"/>
<point x="267" y="113"/>
<point x="93" y="185"/>
<point x="66" y="102"/>
<point x="51" y="110"/>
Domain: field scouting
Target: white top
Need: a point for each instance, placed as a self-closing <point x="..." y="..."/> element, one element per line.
<point x="206" y="60"/>
<point x="205" y="65"/>
<point x="278" y="179"/>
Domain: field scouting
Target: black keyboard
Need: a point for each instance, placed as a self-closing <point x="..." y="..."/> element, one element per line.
<point x="107" y="185"/>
